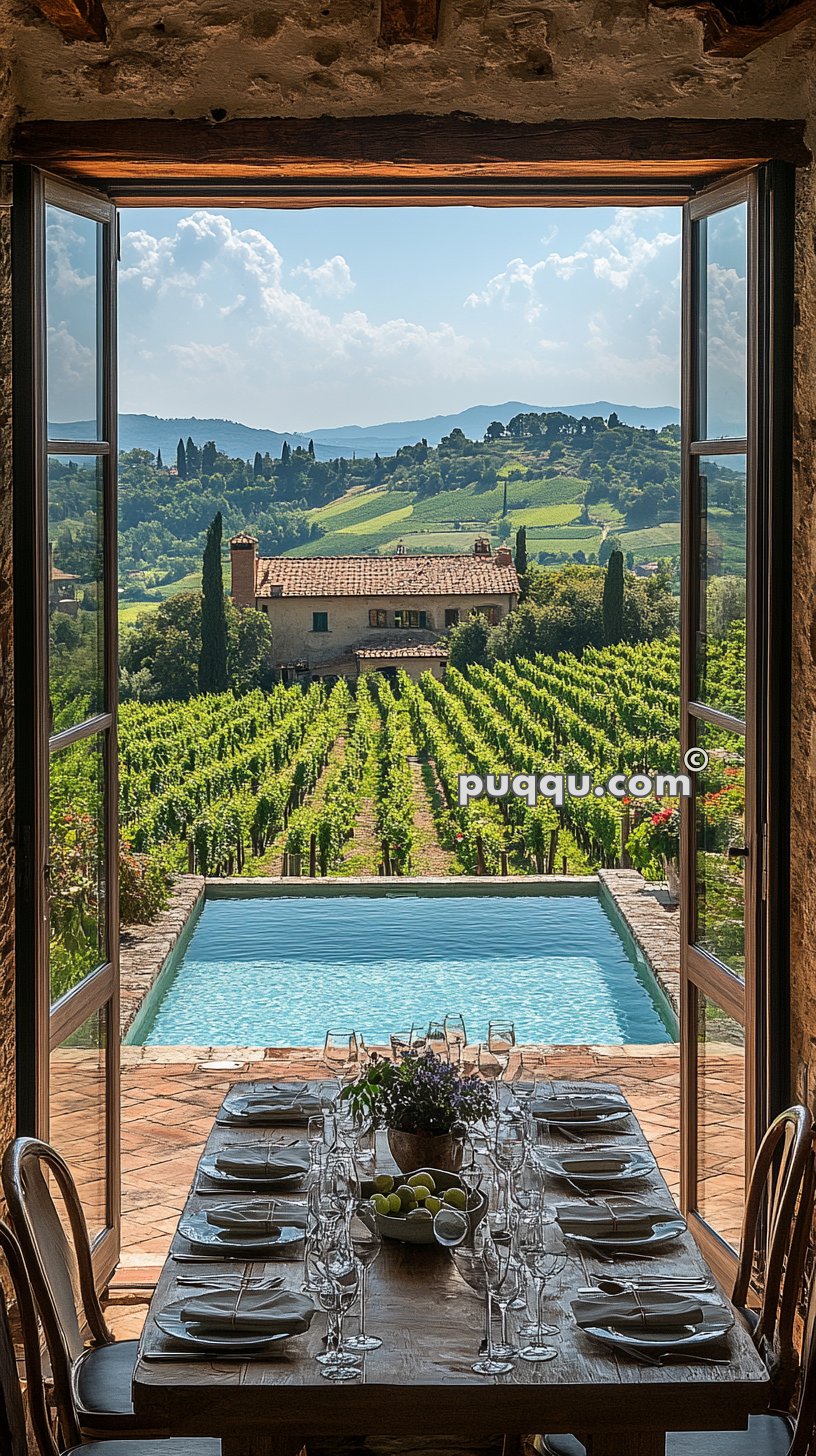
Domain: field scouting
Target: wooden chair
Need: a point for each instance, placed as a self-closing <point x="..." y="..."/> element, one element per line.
<point x="778" y="1212"/>
<point x="786" y="1186"/>
<point x="92" y="1385"/>
<point x="13" y="1431"/>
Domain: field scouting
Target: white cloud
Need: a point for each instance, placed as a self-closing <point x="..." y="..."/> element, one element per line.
<point x="525" y="276"/>
<point x="620" y="251"/>
<point x="331" y="277"/>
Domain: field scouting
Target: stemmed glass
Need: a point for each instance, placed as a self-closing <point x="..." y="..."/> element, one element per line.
<point x="500" y="1278"/>
<point x="523" y="1085"/>
<point x="546" y="1259"/>
<point x="315" y="1132"/>
<point x="509" y="1154"/>
<point x="456" y="1037"/>
<point x="501" y="1038"/>
<point x="436" y="1040"/>
<point x="366" y="1242"/>
<point x="340" y="1055"/>
<point x="404" y="1042"/>
<point x="337" y="1290"/>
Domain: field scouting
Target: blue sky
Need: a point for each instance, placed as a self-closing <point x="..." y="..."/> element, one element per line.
<point x="332" y="316"/>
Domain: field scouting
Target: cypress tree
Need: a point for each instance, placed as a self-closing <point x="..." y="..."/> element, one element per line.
<point x="208" y="458"/>
<point x="212" y="663"/>
<point x="311" y="449"/>
<point x="504" y="503"/>
<point x="193" y="457"/>
<point x="285" y="453"/>
<point x="257" y="465"/>
<point x="613" y="599"/>
<point x="159" y="461"/>
<point x="521" y="550"/>
<point x="181" y="461"/>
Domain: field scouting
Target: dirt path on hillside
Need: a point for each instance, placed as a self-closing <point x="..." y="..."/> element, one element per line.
<point x="429" y="856"/>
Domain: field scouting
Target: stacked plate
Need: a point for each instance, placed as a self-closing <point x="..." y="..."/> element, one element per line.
<point x="236" y="1321"/>
<point x="654" y="1321"/>
<point x="252" y="1229"/>
<point x="268" y="1103"/>
<point x="591" y="1108"/>
<point x="620" y="1227"/>
<point x="264" y="1166"/>
<point x="600" y="1167"/>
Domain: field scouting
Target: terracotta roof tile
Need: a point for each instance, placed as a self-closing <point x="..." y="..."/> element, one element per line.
<point x="420" y="650"/>
<point x="373" y="576"/>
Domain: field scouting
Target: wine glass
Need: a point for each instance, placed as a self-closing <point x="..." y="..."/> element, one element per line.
<point x="545" y="1257"/>
<point x="497" y="1258"/>
<point x="451" y="1227"/>
<point x="436" y="1040"/>
<point x="315" y="1131"/>
<point x="508" y="1152"/>
<point x="340" y="1055"/>
<point x="456" y="1037"/>
<point x="523" y="1084"/>
<point x="501" y="1038"/>
<point x="337" y="1291"/>
<point x="403" y="1043"/>
<point x="469" y="1265"/>
<point x="366" y="1242"/>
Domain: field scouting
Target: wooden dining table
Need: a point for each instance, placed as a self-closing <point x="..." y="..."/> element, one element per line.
<point x="419" y="1383"/>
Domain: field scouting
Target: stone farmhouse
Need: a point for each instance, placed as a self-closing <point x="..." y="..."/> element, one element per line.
<point x="344" y="615"/>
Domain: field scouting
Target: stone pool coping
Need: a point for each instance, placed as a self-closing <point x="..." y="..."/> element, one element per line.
<point x="146" y="949"/>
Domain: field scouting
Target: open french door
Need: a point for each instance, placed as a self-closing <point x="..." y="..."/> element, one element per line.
<point x="65" y="624"/>
<point x="735" y="651"/>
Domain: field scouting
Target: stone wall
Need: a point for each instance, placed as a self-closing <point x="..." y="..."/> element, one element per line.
<point x="495" y="58"/>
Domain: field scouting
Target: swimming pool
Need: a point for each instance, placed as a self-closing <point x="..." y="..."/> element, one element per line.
<point x="278" y="970"/>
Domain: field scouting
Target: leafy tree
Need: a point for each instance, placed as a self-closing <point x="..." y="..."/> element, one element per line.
<point x="208" y="458"/>
<point x="161" y="652"/>
<point x="521" y="550"/>
<point x="613" y="598"/>
<point x="607" y="546"/>
<point x="193" y="455"/>
<point x="249" y="649"/>
<point x="467" y="643"/>
<point x="181" y="461"/>
<point x="495" y="431"/>
<point x="725" y="603"/>
<point x="212" y="663"/>
<point x="613" y="422"/>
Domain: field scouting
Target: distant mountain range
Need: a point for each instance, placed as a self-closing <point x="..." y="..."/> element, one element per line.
<point x="149" y="432"/>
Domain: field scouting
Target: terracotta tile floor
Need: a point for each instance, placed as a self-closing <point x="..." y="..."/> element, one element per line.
<point x="168" y="1104"/>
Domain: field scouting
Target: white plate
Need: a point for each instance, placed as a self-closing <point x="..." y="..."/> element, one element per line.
<point x="170" y="1323"/>
<point x="717" y="1321"/>
<point x="636" y="1165"/>
<point x="244" y="1180"/>
<point x="664" y="1232"/>
<point x="202" y="1234"/>
<point x="594" y="1120"/>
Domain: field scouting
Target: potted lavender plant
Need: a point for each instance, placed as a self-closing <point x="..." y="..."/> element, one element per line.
<point x="419" y="1100"/>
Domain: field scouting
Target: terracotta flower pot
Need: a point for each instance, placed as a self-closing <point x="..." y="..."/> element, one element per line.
<point x="412" y="1150"/>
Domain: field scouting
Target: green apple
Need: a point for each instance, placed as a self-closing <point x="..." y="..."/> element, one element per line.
<point x="456" y="1198"/>
<point x="406" y="1196"/>
<point x="422" y="1180"/>
<point x="433" y="1204"/>
<point x="419" y="1213"/>
<point x="381" y="1203"/>
<point x="384" y="1183"/>
<point x="394" y="1203"/>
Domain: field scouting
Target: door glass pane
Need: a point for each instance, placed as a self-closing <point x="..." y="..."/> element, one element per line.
<point x="72" y="307"/>
<point x="719" y="810"/>
<point x="77" y="857"/>
<point x="76" y="636"/>
<point x="78" y="1112"/>
<point x="723" y="325"/>
<point x="720" y="1119"/>
<point x="720" y="635"/>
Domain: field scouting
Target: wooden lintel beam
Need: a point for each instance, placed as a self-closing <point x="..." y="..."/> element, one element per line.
<point x="724" y="35"/>
<point x="402" y="147"/>
<point x="406" y="22"/>
<point x="76" y="19"/>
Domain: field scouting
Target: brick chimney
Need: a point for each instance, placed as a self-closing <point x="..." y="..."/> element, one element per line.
<point x="243" y="563"/>
<point x="503" y="556"/>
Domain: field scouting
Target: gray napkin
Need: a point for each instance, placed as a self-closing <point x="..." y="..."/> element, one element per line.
<point x="264" y="1161"/>
<point x="593" y="1162"/>
<point x="248" y="1312"/>
<point x="256" y="1215"/>
<point x="601" y="1220"/>
<point x="645" y="1310"/>
<point x="274" y="1105"/>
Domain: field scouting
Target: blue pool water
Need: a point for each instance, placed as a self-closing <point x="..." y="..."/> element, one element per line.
<point x="279" y="970"/>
